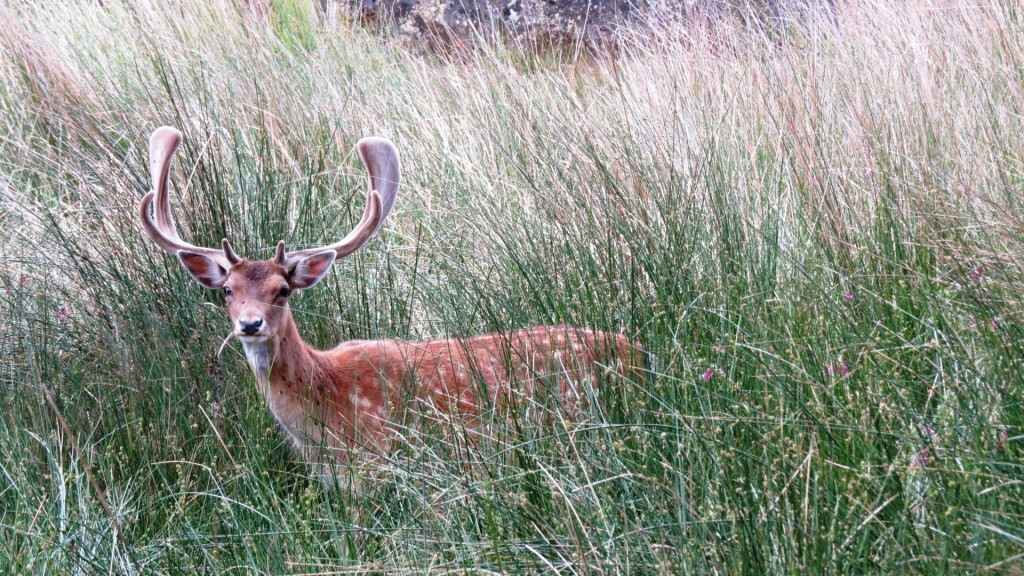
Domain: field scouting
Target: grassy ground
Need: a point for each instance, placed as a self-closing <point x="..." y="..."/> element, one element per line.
<point x="818" y="231"/>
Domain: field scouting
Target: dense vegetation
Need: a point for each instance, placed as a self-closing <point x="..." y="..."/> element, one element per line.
<point x="817" y="229"/>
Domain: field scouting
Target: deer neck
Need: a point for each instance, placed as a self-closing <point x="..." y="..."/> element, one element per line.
<point x="282" y="359"/>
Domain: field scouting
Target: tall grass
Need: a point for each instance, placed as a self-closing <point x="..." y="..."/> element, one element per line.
<point x="816" y="228"/>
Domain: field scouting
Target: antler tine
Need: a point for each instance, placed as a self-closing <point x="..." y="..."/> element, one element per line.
<point x="280" y="254"/>
<point x="228" y="252"/>
<point x="162" y="146"/>
<point x="381" y="160"/>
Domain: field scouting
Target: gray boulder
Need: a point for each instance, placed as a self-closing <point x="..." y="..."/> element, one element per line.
<point x="451" y="24"/>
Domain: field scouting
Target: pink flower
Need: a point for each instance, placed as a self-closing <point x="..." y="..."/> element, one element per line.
<point x="707" y="375"/>
<point x="921" y="460"/>
<point x="976" y="274"/>
<point x="848" y="296"/>
<point x="843" y="369"/>
<point x="64" y="314"/>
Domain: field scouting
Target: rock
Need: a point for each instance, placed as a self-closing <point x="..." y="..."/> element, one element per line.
<point x="451" y="23"/>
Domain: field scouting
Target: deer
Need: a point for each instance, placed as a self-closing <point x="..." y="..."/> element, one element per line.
<point x="330" y="402"/>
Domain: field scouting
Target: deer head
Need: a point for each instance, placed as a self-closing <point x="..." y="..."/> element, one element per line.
<point x="257" y="292"/>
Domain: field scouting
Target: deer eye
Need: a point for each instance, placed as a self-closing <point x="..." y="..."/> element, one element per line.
<point x="285" y="292"/>
<point x="227" y="291"/>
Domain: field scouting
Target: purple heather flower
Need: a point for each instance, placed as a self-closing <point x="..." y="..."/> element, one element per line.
<point x="707" y="375"/>
<point x="64" y="314"/>
<point x="921" y="460"/>
<point x="843" y="369"/>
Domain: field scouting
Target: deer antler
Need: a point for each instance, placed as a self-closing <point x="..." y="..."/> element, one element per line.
<point x="381" y="161"/>
<point x="162" y="145"/>
<point x="378" y="154"/>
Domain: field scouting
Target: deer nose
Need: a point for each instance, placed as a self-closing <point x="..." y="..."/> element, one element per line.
<point x="250" y="327"/>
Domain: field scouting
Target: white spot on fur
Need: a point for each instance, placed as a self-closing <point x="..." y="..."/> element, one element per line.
<point x="353" y="398"/>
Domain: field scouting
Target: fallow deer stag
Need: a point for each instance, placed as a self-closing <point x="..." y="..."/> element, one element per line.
<point x="330" y="401"/>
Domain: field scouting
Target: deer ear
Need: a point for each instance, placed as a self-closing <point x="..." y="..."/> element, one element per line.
<point x="311" y="269"/>
<point x="205" y="270"/>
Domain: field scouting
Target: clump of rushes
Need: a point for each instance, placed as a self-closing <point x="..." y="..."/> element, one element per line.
<point x="815" y="227"/>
